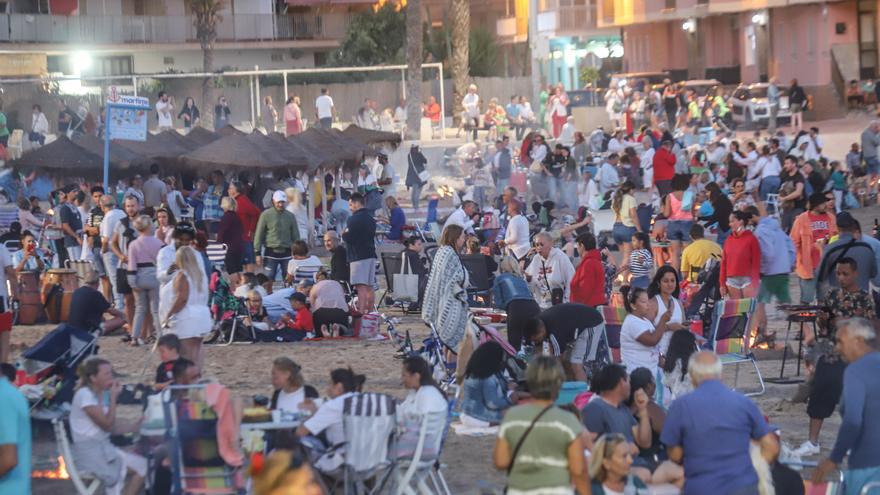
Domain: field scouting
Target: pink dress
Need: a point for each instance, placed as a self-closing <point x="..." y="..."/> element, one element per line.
<point x="292" y="119"/>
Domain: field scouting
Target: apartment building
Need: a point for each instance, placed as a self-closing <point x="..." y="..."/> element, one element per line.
<point x="821" y="43"/>
<point x="121" y="37"/>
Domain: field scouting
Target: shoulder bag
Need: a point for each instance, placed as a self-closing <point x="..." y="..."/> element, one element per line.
<point x="522" y="439"/>
<point x="424" y="175"/>
<point x="405" y="283"/>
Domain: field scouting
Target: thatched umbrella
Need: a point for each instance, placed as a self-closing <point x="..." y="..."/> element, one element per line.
<point x="332" y="145"/>
<point x="296" y="158"/>
<point x="229" y="130"/>
<point x="174" y="138"/>
<point x="201" y="136"/>
<point x="120" y="156"/>
<point x="368" y="136"/>
<point x="235" y="151"/>
<point x="155" y="147"/>
<point x="63" y="157"/>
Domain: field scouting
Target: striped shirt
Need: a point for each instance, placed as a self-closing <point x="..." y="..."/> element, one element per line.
<point x="640" y="263"/>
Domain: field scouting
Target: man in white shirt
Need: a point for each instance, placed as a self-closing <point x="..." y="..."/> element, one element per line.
<point x="112" y="216"/>
<point x="607" y="176"/>
<point x="471" y="104"/>
<point x="814" y="145"/>
<point x="462" y="217"/>
<point x="566" y="137"/>
<point x="516" y="237"/>
<point x="646" y="161"/>
<point x="184" y="234"/>
<point x="324" y="109"/>
<point x="400" y="114"/>
<point x="165" y="107"/>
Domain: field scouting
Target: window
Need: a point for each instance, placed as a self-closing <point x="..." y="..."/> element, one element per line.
<point x="277" y="57"/>
<point x="58" y="63"/>
<point x="168" y="60"/>
<point x="111" y="66"/>
<point x="320" y="59"/>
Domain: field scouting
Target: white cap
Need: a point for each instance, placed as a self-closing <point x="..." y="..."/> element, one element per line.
<point x="279" y="196"/>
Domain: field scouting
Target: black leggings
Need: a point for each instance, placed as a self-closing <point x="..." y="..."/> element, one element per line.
<point x="519" y="311"/>
<point x="328" y="316"/>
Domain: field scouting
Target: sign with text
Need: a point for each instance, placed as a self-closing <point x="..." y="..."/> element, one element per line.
<point x="129" y="123"/>
<point x="116" y="98"/>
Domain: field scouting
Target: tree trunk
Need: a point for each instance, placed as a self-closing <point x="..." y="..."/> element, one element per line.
<point x="207" y="114"/>
<point x="414" y="54"/>
<point x="461" y="29"/>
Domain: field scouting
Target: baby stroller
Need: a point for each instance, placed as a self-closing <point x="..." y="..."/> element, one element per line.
<point x="228" y="313"/>
<point x="513" y="362"/>
<point x="702" y="301"/>
<point x="53" y="361"/>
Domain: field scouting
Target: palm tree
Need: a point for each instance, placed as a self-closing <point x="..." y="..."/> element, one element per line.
<point x="206" y="16"/>
<point x="461" y="31"/>
<point x="414" y="38"/>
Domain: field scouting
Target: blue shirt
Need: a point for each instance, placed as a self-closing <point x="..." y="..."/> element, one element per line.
<point x="860" y="408"/>
<point x="508" y="287"/>
<point x="714" y="426"/>
<point x="397" y="221"/>
<point x="875" y="246"/>
<point x="15" y="429"/>
<point x="278" y="303"/>
<point x="512" y="110"/>
<point x="777" y="250"/>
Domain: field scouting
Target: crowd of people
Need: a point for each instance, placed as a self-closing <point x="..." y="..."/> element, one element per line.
<point x="636" y="219"/>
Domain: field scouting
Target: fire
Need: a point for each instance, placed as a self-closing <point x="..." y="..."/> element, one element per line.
<point x="445" y="191"/>
<point x="59" y="473"/>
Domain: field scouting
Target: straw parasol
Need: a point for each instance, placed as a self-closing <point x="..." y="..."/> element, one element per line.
<point x="120" y="156"/>
<point x="368" y="136"/>
<point x="201" y="136"/>
<point x="295" y="156"/>
<point x="237" y="151"/>
<point x="64" y="157"/>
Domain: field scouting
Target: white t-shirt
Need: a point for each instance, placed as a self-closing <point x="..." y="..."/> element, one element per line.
<point x="109" y="222"/>
<point x="164" y="108"/>
<point x="460" y="218"/>
<point x="427" y="399"/>
<point x="324" y="104"/>
<point x="633" y="353"/>
<point x="290" y="401"/>
<point x="517" y="236"/>
<point x="5" y="260"/>
<point x="329" y="417"/>
<point x="81" y="425"/>
<point x="471" y="104"/>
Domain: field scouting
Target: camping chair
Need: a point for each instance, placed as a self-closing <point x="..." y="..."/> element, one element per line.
<point x="391" y="265"/>
<point x="369" y="421"/>
<point x="614" y="316"/>
<point x="191" y="432"/>
<point x="479" y="278"/>
<point x="304" y="273"/>
<point x="729" y="335"/>
<point x="84" y="483"/>
<point x="216" y="252"/>
<point x="417" y="462"/>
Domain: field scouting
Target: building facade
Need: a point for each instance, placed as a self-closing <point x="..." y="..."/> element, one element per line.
<point x="821" y="44"/>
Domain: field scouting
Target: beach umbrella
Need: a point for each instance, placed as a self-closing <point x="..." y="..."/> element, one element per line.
<point x="369" y="136"/>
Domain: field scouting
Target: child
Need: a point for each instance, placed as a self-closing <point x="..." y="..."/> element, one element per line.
<point x="169" y="352"/>
<point x="854" y="158"/>
<point x="640" y="260"/>
<point x="257" y="315"/>
<point x="302" y="323"/>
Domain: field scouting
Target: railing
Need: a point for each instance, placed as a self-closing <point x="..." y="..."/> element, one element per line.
<point x="41" y="28"/>
<point x="575" y="18"/>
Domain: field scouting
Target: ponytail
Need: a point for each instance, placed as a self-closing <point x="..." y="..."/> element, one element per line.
<point x="350" y="382"/>
<point x="630" y="294"/>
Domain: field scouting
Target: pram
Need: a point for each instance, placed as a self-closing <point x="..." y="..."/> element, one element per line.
<point x="702" y="301"/>
<point x="53" y="362"/>
<point x="513" y="362"/>
<point x="228" y="313"/>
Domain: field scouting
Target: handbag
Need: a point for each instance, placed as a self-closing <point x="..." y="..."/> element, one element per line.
<point x="557" y="294"/>
<point x="522" y="439"/>
<point x="536" y="167"/>
<point x="405" y="283"/>
<point x="424" y="175"/>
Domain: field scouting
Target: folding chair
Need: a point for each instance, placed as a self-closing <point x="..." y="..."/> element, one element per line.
<point x="304" y="273"/>
<point x="614" y="316"/>
<point x="729" y="336"/>
<point x="191" y="432"/>
<point x="216" y="252"/>
<point x="391" y="264"/>
<point x="414" y="470"/>
<point x="369" y="421"/>
<point x="479" y="278"/>
<point x="84" y="483"/>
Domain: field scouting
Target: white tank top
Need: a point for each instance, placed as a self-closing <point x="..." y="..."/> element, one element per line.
<point x="677" y="317"/>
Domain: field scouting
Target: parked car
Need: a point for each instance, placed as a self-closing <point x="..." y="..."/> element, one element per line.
<point x="641" y="80"/>
<point x="749" y="104"/>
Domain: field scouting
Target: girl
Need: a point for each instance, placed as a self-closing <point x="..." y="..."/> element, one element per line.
<point x="625" y="218"/>
<point x="664" y="292"/>
<point x="640" y="260"/>
<point x="740" y="259"/>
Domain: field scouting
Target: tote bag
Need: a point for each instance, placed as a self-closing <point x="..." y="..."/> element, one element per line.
<point x="406" y="284"/>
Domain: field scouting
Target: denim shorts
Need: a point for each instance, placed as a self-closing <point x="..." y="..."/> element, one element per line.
<point x="679" y="230"/>
<point x="622" y="233"/>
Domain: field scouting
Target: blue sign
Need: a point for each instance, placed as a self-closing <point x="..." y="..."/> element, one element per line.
<point x="126" y="119"/>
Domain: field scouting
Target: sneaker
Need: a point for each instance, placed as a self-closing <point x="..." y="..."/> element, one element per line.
<point x="807" y="448"/>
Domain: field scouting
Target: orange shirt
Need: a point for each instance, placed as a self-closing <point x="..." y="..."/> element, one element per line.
<point x="432" y="111"/>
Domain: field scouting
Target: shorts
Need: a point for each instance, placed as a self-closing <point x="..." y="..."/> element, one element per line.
<point x="664" y="187"/>
<point x="679" y="230"/>
<point x="738" y="282"/>
<point x="122" y="286"/>
<point x="233" y="262"/>
<point x="588" y="338"/>
<point x="641" y="282"/>
<point x="621" y="233"/>
<point x="363" y="272"/>
<point x="808" y="290"/>
<point x="795" y="107"/>
<point x="826" y="388"/>
<point x="774" y="285"/>
<point x="247" y="253"/>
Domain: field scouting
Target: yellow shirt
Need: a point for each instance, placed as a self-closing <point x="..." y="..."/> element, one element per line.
<point x="695" y="256"/>
<point x="626" y="204"/>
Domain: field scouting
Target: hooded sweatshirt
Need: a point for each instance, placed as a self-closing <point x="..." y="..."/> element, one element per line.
<point x="555" y="272"/>
<point x="777" y="250"/>
<point x="588" y="284"/>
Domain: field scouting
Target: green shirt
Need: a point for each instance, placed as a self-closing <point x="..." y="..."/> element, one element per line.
<point x="542" y="460"/>
<point x="4" y="131"/>
<point x="275" y="230"/>
<point x="722" y="106"/>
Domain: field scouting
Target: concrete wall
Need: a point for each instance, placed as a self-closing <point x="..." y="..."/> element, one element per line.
<point x="655" y="46"/>
<point x="151" y="62"/>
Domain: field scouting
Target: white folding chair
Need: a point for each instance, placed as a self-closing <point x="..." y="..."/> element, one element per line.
<point x="84" y="483"/>
<point x="369" y="421"/>
<point x="412" y="474"/>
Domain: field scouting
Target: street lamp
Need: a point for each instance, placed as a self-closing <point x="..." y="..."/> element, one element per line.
<point x="689" y="26"/>
<point x="759" y="18"/>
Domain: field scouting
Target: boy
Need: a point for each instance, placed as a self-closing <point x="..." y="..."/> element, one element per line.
<point x="302" y="322"/>
<point x="169" y="352"/>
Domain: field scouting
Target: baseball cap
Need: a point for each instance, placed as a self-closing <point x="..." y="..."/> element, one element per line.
<point x="279" y="196"/>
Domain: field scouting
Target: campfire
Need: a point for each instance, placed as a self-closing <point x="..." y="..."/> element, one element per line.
<point x="445" y="191"/>
<point x="59" y="473"/>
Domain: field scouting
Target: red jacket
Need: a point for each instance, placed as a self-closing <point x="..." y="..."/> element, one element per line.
<point x="588" y="283"/>
<point x="664" y="165"/>
<point x="302" y="321"/>
<point x="741" y="257"/>
<point x="249" y="215"/>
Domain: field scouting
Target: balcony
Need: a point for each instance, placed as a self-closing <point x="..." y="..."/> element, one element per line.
<point x="42" y="28"/>
<point x="567" y="17"/>
<point x="512" y="29"/>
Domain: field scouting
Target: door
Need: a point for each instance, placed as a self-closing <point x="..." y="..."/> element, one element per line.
<point x="867" y="13"/>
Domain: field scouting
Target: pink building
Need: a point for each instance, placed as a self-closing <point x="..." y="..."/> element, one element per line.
<point x="822" y="44"/>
